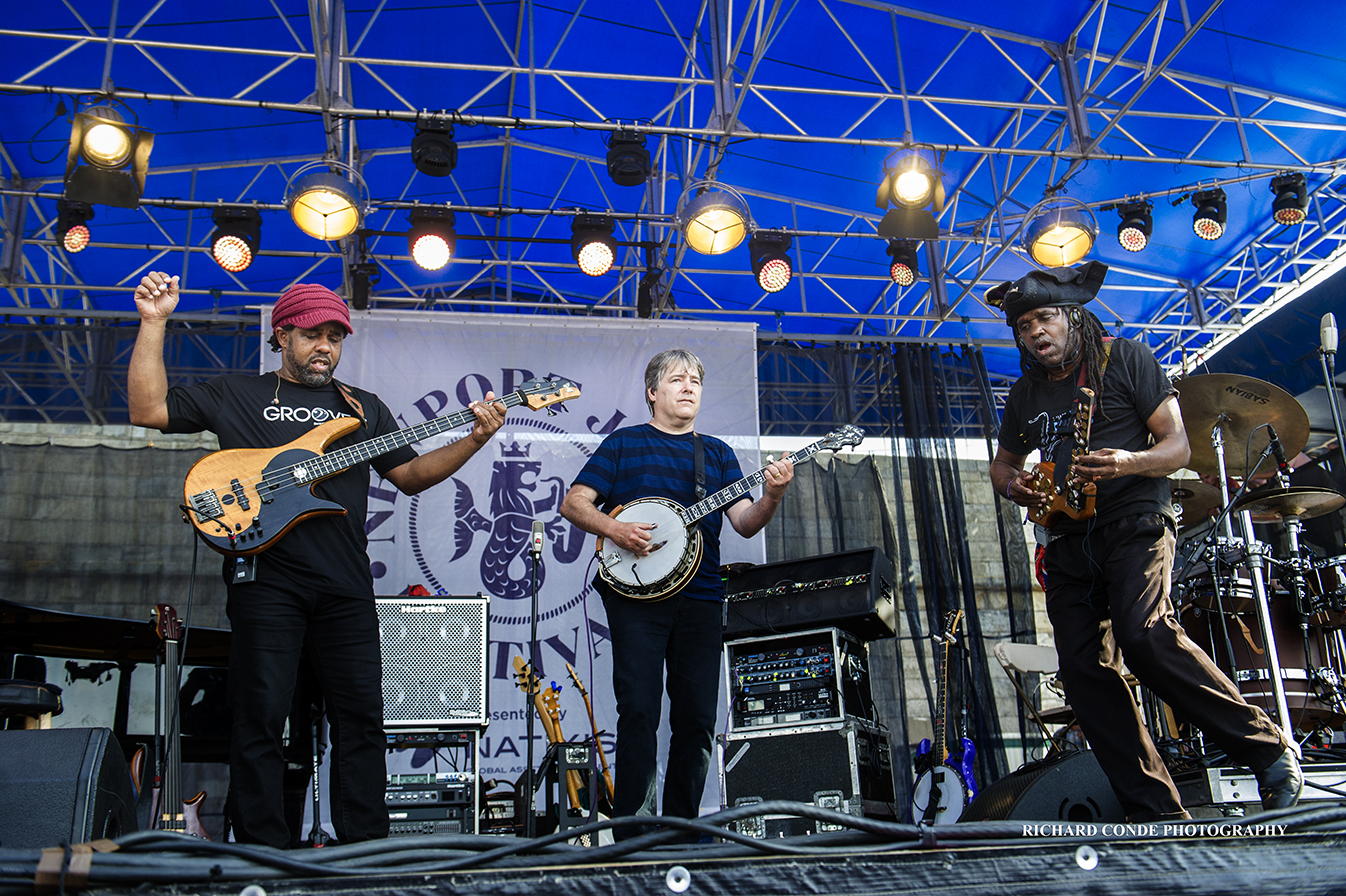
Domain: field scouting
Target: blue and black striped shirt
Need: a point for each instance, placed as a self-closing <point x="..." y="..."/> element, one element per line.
<point x="645" y="462"/>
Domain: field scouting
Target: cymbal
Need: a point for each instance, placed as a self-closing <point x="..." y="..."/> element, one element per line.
<point x="1195" y="497"/>
<point x="1299" y="501"/>
<point x="1239" y="405"/>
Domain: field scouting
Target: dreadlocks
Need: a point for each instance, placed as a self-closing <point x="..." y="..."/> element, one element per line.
<point x="1087" y="351"/>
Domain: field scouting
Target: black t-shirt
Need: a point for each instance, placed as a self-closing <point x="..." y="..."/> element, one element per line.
<point x="327" y="552"/>
<point x="1040" y="414"/>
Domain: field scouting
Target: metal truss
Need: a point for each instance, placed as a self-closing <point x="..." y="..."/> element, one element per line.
<point x="733" y="101"/>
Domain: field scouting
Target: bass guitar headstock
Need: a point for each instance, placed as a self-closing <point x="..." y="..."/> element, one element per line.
<point x="575" y="677"/>
<point x="166" y="624"/>
<point x="524" y="677"/>
<point x="543" y="392"/>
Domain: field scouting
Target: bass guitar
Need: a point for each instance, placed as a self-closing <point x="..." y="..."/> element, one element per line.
<point x="673" y="559"/>
<point x="242" y="500"/>
<point x="168" y="810"/>
<point x="943" y="790"/>
<point x="546" y="701"/>
<point x="1074" y="501"/>
<point x="598" y="743"/>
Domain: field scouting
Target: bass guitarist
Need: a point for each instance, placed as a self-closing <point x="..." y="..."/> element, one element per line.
<point x="313" y="587"/>
<point x="1107" y="575"/>
<point x="683" y="630"/>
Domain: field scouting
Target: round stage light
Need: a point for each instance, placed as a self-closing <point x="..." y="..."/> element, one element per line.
<point x="325" y="205"/>
<point x="108" y="143"/>
<point x="713" y="221"/>
<point x="771" y="260"/>
<point x="1211" y="213"/>
<point x="431" y="241"/>
<point x="1135" y="226"/>
<point x="76" y="238"/>
<point x="592" y="244"/>
<point x="903" y="269"/>
<point x="1059" y="232"/>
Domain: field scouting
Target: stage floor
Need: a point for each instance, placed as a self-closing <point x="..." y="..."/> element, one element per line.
<point x="1299" y="851"/>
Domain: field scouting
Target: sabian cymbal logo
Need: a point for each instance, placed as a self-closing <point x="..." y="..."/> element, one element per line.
<point x="1243" y="392"/>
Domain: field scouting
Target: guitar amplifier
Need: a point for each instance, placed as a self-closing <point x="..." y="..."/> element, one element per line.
<point x="434" y="660"/>
<point x="852" y="590"/>
<point x="845" y="765"/>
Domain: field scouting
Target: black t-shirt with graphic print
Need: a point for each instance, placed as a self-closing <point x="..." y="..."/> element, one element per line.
<point x="323" y="552"/>
<point x="1040" y="414"/>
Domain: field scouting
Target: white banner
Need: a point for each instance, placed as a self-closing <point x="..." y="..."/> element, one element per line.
<point x="471" y="533"/>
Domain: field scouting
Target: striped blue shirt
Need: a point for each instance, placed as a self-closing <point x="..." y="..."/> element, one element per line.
<point x="645" y="462"/>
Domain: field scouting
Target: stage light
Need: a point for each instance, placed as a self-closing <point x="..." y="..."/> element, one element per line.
<point x="362" y="276"/>
<point x="432" y="239"/>
<point x="1059" y="231"/>
<point x="72" y="227"/>
<point x="713" y="218"/>
<point x="324" y="204"/>
<point x="911" y="186"/>
<point x="1292" y="199"/>
<point x="770" y="253"/>
<point x="433" y="151"/>
<point x="628" y="159"/>
<point x="903" y="269"/>
<point x="592" y="245"/>
<point x="108" y="146"/>
<point x="1211" y="213"/>
<point x="1136" y="225"/>
<point x="238" y="233"/>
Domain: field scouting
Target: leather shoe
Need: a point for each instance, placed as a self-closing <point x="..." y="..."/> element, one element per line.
<point x="1280" y="783"/>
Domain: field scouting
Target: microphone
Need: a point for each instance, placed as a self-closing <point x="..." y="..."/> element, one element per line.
<point x="1279" y="450"/>
<point x="537" y="538"/>
<point x="1328" y="333"/>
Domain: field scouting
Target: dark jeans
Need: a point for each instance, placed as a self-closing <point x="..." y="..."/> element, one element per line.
<point x="272" y="623"/>
<point x="685" y="633"/>
<point x="1109" y="591"/>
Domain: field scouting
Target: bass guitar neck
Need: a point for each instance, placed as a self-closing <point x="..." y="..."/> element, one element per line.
<point x="242" y="500"/>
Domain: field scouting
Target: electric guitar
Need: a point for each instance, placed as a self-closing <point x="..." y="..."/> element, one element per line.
<point x="1076" y="502"/>
<point x="674" y="558"/>
<point x="548" y="709"/>
<point x="242" y="500"/>
<point x="943" y="791"/>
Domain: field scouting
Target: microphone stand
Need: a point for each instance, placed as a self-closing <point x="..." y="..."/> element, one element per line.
<point x="1329" y="379"/>
<point x="530" y="789"/>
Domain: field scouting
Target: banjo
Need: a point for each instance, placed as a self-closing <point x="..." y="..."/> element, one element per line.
<point x="676" y="553"/>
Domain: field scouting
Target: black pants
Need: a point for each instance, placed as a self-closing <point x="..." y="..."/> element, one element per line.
<point x="685" y="633"/>
<point x="1109" y="591"/>
<point x="272" y="623"/>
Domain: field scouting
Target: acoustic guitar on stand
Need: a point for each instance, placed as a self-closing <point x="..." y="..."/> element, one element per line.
<point x="242" y="500"/>
<point x="1075" y="502"/>
<point x="676" y="550"/>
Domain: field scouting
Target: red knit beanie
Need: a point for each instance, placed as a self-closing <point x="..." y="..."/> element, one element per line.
<point x="308" y="305"/>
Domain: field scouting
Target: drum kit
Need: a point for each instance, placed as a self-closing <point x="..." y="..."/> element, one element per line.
<point x="1275" y="624"/>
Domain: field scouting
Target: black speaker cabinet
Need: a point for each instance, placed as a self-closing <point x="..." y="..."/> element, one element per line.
<point x="843" y="765"/>
<point x="434" y="660"/>
<point x="852" y="590"/>
<point x="63" y="785"/>
<point x="1063" y="787"/>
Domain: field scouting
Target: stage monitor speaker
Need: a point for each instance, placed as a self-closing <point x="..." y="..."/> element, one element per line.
<point x="1067" y="787"/>
<point x="63" y="785"/>
<point x="852" y="591"/>
<point x="434" y="660"/>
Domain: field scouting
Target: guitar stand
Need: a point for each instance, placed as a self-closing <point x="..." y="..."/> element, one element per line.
<point x="560" y="760"/>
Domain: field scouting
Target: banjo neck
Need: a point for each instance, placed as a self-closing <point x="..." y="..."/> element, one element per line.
<point x="731" y="493"/>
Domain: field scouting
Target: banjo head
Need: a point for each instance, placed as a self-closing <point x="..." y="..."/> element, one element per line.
<point x="672" y="560"/>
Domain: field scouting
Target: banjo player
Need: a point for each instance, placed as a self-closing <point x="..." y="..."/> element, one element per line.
<point x="681" y="630"/>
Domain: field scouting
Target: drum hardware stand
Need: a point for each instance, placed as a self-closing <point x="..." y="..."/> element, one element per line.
<point x="1256" y="560"/>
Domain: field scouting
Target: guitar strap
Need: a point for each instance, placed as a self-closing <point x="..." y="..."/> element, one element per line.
<point x="349" y="395"/>
<point x="699" y="463"/>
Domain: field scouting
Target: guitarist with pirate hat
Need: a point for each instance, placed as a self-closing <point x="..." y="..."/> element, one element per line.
<point x="1107" y="575"/>
<point x="313" y="589"/>
<point x="682" y="630"/>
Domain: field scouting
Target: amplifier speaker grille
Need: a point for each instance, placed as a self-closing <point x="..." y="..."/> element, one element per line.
<point x="434" y="660"/>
